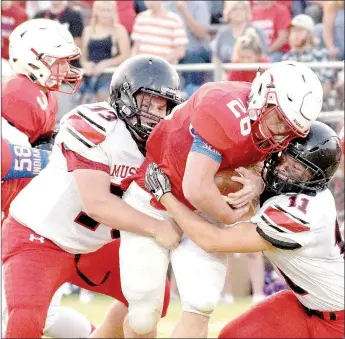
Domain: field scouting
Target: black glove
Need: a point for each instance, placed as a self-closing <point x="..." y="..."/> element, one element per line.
<point x="156" y="181"/>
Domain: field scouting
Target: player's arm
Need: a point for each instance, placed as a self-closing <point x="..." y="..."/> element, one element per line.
<point x="108" y="209"/>
<point x="241" y="238"/>
<point x="199" y="186"/>
<point x="21" y="161"/>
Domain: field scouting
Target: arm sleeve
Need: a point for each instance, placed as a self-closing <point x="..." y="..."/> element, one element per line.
<point x="283" y="227"/>
<point x="201" y="146"/>
<point x="21" y="161"/>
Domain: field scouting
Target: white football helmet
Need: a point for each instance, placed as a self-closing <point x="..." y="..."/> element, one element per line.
<point x="295" y="91"/>
<point x="36" y="45"/>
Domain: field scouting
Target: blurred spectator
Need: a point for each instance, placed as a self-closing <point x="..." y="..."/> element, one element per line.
<point x="34" y="6"/>
<point x="274" y="19"/>
<point x="12" y="15"/>
<point x="72" y="19"/>
<point x="126" y="12"/>
<point x="333" y="29"/>
<point x="247" y="49"/>
<point x="139" y="6"/>
<point x="286" y="3"/>
<point x="237" y="15"/>
<point x="197" y="19"/>
<point x="105" y="44"/>
<point x="216" y="8"/>
<point x="314" y="9"/>
<point x="256" y="271"/>
<point x="304" y="49"/>
<point x="159" y="31"/>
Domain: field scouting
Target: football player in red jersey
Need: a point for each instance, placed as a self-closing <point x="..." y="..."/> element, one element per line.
<point x="298" y="232"/>
<point x="223" y="125"/>
<point x="40" y="54"/>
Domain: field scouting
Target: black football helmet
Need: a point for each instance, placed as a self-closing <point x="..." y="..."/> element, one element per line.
<point x="148" y="74"/>
<point x="319" y="152"/>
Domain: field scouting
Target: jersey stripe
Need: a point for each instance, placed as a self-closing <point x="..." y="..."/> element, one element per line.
<point x="278" y="243"/>
<point x="86" y="130"/>
<point x="282" y="220"/>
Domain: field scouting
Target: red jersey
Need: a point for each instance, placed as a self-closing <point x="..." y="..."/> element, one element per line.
<point x="217" y="113"/>
<point x="271" y="20"/>
<point x="10" y="19"/>
<point x="31" y="111"/>
<point x="247" y="76"/>
<point x="28" y="108"/>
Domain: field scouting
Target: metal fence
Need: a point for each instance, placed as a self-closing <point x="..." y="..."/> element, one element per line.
<point x="218" y="67"/>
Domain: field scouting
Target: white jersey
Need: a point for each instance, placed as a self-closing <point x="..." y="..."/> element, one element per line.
<point x="50" y="204"/>
<point x="308" y="251"/>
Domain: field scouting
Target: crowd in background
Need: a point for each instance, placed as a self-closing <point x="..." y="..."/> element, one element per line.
<point x="191" y="32"/>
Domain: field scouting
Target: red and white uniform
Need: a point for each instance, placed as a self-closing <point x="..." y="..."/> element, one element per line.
<point x="341" y="136"/>
<point x="309" y="255"/>
<point x="40" y="239"/>
<point x="33" y="113"/>
<point x="217" y="113"/>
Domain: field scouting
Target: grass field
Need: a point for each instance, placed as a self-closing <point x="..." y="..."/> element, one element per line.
<point x="223" y="313"/>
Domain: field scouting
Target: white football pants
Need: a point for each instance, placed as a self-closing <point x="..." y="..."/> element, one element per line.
<point x="200" y="276"/>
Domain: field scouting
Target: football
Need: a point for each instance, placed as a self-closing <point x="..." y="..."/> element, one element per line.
<point x="224" y="182"/>
<point x="226" y="185"/>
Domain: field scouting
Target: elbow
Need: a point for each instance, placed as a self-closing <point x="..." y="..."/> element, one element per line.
<point x="93" y="208"/>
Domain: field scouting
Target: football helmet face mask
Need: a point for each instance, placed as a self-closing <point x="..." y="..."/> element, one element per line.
<point x="42" y="50"/>
<point x="295" y="93"/>
<point x="319" y="154"/>
<point x="152" y="76"/>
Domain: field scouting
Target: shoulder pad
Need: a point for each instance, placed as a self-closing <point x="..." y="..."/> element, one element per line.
<point x="90" y="124"/>
<point x="284" y="222"/>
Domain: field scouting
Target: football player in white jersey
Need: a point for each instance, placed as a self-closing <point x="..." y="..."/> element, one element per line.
<point x="296" y="229"/>
<point x="63" y="227"/>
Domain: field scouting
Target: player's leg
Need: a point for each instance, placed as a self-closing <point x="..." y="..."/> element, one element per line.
<point x="95" y="266"/>
<point x="144" y="265"/>
<point x="256" y="270"/>
<point x="278" y="316"/>
<point x="200" y="278"/>
<point x="34" y="268"/>
<point x="143" y="268"/>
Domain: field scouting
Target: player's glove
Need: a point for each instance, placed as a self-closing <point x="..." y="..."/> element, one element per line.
<point x="156" y="181"/>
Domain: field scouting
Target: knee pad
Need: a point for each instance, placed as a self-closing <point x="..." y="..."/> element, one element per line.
<point x="203" y="305"/>
<point x="144" y="317"/>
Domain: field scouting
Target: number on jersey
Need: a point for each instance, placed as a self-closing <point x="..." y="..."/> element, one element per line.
<point x="239" y="110"/>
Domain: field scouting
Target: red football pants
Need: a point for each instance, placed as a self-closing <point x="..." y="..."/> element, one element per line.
<point x="281" y="316"/>
<point x="9" y="190"/>
<point x="34" y="268"/>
